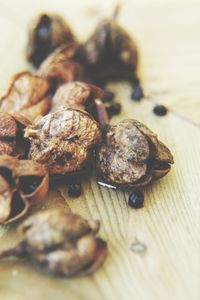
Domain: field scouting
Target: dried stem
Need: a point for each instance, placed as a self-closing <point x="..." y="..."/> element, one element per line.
<point x="102" y="113"/>
<point x="117" y="10"/>
<point x="17" y="251"/>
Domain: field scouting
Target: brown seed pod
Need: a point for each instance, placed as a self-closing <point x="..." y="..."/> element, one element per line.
<point x="65" y="244"/>
<point x="63" y="140"/>
<point x="47" y="32"/>
<point x="110" y="54"/>
<point x="131" y="155"/>
<point x="27" y="95"/>
<point x="60" y="67"/>
<point x="81" y="95"/>
<point x="12" y="141"/>
<point x="76" y="94"/>
<point x="22" y="184"/>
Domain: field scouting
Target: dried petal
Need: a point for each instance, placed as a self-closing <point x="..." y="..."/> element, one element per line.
<point x="25" y="91"/>
<point x="22" y="183"/>
<point x="160" y="151"/>
<point x="63" y="140"/>
<point x="6" y="194"/>
<point x="12" y="141"/>
<point x="48" y="31"/>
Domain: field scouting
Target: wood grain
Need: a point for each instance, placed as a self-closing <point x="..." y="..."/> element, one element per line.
<point x="154" y="251"/>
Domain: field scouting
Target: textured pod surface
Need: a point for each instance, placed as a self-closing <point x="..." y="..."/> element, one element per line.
<point x="65" y="244"/>
<point x="22" y="183"/>
<point x="47" y="32"/>
<point x="61" y="228"/>
<point x="132" y="155"/>
<point x="77" y="94"/>
<point x="60" y="66"/>
<point x="27" y="95"/>
<point x="63" y="140"/>
<point x="12" y="141"/>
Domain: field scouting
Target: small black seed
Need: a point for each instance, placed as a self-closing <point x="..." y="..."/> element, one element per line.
<point x="137" y="93"/>
<point x="160" y="110"/>
<point x="114" y="109"/>
<point x="109" y="96"/>
<point x="74" y="190"/>
<point x="136" y="199"/>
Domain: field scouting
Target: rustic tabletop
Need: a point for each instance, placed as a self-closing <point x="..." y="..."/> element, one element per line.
<point x="154" y="252"/>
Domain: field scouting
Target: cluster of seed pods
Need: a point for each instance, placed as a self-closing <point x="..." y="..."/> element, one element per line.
<point x="55" y="123"/>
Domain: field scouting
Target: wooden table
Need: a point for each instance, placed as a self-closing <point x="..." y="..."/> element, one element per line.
<point x="154" y="252"/>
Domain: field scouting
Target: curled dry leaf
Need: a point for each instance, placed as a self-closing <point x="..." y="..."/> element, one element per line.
<point x="22" y="184"/>
<point x="109" y="53"/>
<point x="131" y="155"/>
<point x="27" y="95"/>
<point x="63" y="140"/>
<point x="12" y="141"/>
<point x="60" y="67"/>
<point x="47" y="32"/>
<point x="64" y="244"/>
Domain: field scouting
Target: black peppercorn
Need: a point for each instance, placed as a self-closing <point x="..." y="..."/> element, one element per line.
<point x="136" y="199"/>
<point x="160" y="110"/>
<point x="74" y="190"/>
<point x="114" y="109"/>
<point x="109" y="96"/>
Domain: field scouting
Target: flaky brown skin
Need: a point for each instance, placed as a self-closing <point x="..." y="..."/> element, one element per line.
<point x="16" y="178"/>
<point x="131" y="155"/>
<point x="27" y="95"/>
<point x="63" y="140"/>
<point x="64" y="244"/>
<point x="79" y="95"/>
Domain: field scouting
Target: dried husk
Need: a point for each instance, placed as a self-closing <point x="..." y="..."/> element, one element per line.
<point x="63" y="244"/>
<point x="12" y="141"/>
<point x="63" y="140"/>
<point x="110" y="53"/>
<point x="132" y="156"/>
<point x="47" y="32"/>
<point x="78" y="95"/>
<point x="61" y="67"/>
<point x="23" y="183"/>
<point x="27" y="95"/>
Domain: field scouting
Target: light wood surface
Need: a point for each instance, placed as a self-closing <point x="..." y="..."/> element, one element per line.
<point x="154" y="252"/>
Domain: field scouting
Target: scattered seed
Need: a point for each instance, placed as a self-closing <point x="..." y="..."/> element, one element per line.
<point x="109" y="96"/>
<point x="136" y="199"/>
<point x="160" y="110"/>
<point x="74" y="190"/>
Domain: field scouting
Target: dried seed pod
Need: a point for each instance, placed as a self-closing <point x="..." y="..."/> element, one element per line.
<point x="22" y="183"/>
<point x="131" y="155"/>
<point x="27" y="95"/>
<point x="47" y="32"/>
<point x="63" y="140"/>
<point x="12" y="141"/>
<point x="60" y="67"/>
<point x="65" y="244"/>
<point x="110" y="54"/>
<point x="76" y="94"/>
